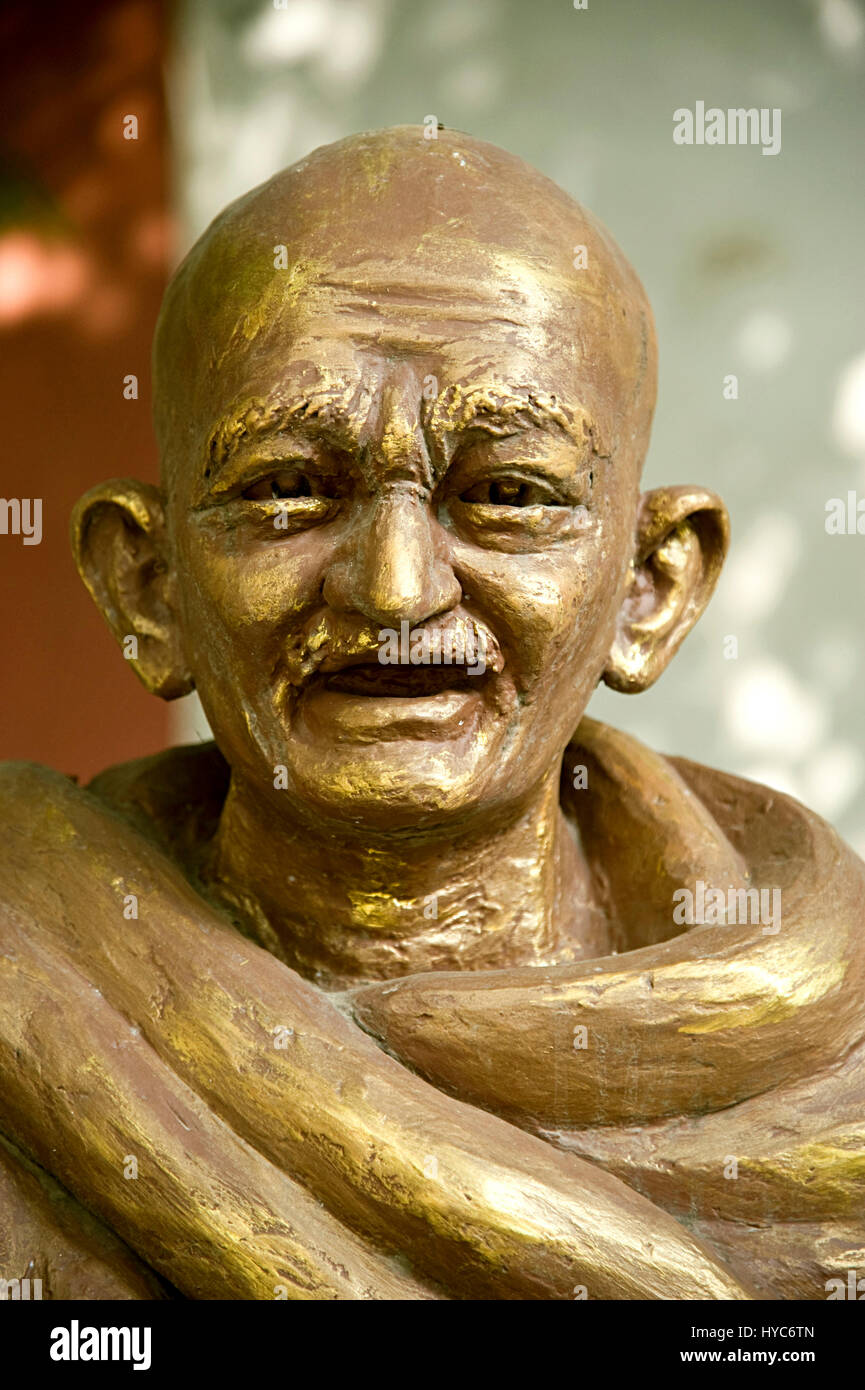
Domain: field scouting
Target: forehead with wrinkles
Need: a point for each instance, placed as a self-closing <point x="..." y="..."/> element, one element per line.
<point x="449" y="250"/>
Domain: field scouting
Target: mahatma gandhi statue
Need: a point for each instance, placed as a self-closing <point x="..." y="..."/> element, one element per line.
<point x="415" y="983"/>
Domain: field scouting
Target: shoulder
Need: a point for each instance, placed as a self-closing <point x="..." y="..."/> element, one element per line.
<point x="651" y="824"/>
<point x="174" y="797"/>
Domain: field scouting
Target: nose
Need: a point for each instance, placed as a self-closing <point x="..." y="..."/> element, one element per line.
<point x="390" y="570"/>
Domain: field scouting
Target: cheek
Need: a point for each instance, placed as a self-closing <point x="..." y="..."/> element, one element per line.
<point x="554" y="612"/>
<point x="238" y="604"/>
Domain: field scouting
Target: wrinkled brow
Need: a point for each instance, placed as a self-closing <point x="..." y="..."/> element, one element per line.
<point x="498" y="410"/>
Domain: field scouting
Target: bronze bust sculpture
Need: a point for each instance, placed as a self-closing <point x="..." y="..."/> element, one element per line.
<point x="396" y="990"/>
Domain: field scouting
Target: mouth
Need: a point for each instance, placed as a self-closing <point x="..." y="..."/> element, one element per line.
<point x="373" y="678"/>
<point x="368" y="702"/>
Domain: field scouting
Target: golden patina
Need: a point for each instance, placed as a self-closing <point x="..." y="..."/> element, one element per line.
<point x="381" y="994"/>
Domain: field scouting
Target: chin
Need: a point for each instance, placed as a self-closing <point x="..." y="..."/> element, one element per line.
<point x="394" y="786"/>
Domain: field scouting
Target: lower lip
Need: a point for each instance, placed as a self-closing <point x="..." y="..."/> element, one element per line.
<point x="363" y="718"/>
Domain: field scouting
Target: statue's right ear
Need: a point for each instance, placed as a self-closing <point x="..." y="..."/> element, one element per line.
<point x="120" y="548"/>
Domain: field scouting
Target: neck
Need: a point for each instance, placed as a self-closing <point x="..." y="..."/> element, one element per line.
<point x="341" y="907"/>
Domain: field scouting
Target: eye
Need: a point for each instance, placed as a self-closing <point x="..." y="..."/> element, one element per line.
<point x="510" y="492"/>
<point x="282" y="485"/>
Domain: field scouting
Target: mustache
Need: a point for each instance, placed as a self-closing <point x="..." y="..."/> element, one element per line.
<point x="334" y="641"/>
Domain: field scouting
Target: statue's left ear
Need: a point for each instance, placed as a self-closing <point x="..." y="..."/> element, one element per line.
<point x="681" y="541"/>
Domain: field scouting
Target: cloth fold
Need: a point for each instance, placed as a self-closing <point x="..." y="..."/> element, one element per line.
<point x="481" y="1153"/>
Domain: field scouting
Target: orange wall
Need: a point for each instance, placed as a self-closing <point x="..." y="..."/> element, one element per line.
<point x="84" y="245"/>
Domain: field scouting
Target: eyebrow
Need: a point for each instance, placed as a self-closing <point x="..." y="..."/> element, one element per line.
<point x="497" y="409"/>
<point x="259" y="419"/>
<point x="502" y="410"/>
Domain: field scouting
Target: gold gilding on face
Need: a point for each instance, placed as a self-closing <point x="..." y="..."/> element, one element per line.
<point x="453" y="427"/>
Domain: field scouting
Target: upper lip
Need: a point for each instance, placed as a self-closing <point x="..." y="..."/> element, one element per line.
<point x="362" y="648"/>
<point x="359" y="650"/>
<point x="339" y="660"/>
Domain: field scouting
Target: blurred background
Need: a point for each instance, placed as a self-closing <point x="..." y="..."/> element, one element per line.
<point x="753" y="263"/>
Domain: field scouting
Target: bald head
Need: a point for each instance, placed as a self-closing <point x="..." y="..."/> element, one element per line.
<point x="410" y="243"/>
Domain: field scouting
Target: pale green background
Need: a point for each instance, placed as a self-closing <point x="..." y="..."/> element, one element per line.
<point x="753" y="265"/>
